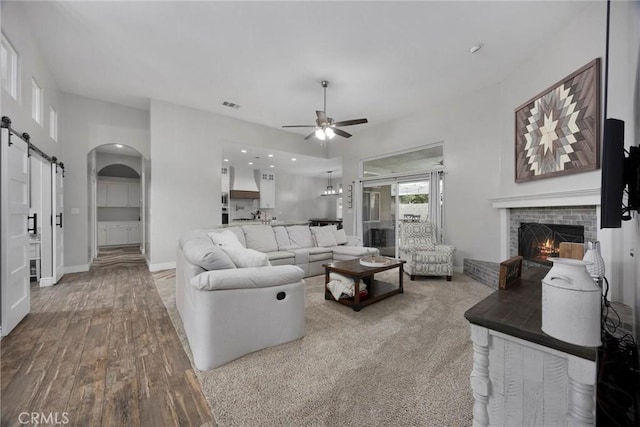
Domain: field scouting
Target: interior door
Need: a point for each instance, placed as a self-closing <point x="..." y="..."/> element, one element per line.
<point x="14" y="188"/>
<point x="58" y="221"/>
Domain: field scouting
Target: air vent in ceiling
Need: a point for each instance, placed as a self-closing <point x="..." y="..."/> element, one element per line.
<point x="230" y="104"/>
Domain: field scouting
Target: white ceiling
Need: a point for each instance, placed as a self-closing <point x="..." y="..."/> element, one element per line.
<point x="384" y="60"/>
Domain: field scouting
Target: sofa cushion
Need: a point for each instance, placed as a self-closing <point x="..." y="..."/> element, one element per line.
<point x="323" y="236"/>
<point x="248" y="278"/>
<point x="282" y="237"/>
<point x="300" y="235"/>
<point x="354" y="251"/>
<point x="201" y="251"/>
<point x="241" y="256"/>
<point x="277" y="255"/>
<point x="260" y="237"/>
<point x="320" y="254"/>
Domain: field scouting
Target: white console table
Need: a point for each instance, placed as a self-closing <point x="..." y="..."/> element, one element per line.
<point x="522" y="376"/>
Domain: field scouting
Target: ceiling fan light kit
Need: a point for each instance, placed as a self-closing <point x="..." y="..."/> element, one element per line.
<point x="326" y="127"/>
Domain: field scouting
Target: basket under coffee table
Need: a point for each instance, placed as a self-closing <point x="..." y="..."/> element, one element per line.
<point x="377" y="289"/>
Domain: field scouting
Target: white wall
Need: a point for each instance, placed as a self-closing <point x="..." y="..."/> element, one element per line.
<point x="31" y="64"/>
<point x="106" y="159"/>
<point x="186" y="161"/>
<point x="88" y="124"/>
<point x="298" y="198"/>
<point x="478" y="135"/>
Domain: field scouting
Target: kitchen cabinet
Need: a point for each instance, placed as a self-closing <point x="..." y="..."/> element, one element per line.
<point x="118" y="194"/>
<point x="225" y="181"/>
<point x="134" y="195"/>
<point x="102" y="194"/>
<point x="115" y="233"/>
<point x="102" y="234"/>
<point x="133" y="233"/>
<point x="267" y="183"/>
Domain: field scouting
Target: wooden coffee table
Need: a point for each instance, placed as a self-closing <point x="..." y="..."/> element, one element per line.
<point x="377" y="289"/>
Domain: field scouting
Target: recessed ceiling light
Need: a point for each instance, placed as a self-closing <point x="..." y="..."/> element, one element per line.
<point x="293" y="159"/>
<point x="270" y="155"/>
<point x="243" y="151"/>
<point x="250" y="163"/>
<point x="475" y="48"/>
<point x="118" y="145"/>
<point x="225" y="160"/>
<point x="271" y="166"/>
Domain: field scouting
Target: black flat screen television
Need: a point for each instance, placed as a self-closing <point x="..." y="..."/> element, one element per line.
<point x="613" y="159"/>
<point x="620" y="174"/>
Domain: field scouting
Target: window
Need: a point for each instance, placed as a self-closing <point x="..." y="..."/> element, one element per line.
<point x="36" y="101"/>
<point x="9" y="65"/>
<point x="53" y="123"/>
<point x="370" y="206"/>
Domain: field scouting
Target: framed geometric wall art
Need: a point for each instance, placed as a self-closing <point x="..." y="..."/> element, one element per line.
<point x="557" y="132"/>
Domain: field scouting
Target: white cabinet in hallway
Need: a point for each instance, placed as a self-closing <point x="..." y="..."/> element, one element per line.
<point x="117" y="194"/>
<point x="115" y="233"/>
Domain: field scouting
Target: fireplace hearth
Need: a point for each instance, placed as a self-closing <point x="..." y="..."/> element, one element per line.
<point x="538" y="242"/>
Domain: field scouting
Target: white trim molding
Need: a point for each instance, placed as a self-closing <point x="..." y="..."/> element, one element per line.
<point x="162" y="266"/>
<point x="81" y="268"/>
<point x="46" y="281"/>
<point x="587" y="197"/>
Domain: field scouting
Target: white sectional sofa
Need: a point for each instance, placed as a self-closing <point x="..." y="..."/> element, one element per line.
<point x="232" y="304"/>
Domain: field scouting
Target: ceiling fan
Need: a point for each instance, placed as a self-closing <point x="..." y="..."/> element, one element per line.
<point x="326" y="127"/>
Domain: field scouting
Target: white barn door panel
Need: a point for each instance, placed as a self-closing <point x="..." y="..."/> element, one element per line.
<point x="14" y="187"/>
<point x="58" y="221"/>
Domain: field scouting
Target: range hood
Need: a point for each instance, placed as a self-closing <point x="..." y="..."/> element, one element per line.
<point x="243" y="184"/>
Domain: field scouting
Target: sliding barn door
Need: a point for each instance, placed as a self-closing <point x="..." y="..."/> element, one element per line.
<point x="58" y="221"/>
<point x="15" y="237"/>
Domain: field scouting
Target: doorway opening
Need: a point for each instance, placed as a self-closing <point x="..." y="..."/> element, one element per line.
<point x="117" y="199"/>
<point x="401" y="187"/>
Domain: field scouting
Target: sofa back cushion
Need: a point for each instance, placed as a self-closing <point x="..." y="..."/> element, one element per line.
<point x="282" y="237"/>
<point x="300" y="235"/>
<point x="324" y="236"/>
<point x="260" y="237"/>
<point x="200" y="250"/>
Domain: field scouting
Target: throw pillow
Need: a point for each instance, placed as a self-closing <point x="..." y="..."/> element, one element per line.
<point x="241" y="256"/>
<point x="225" y="238"/>
<point x="202" y="252"/>
<point x="340" y="236"/>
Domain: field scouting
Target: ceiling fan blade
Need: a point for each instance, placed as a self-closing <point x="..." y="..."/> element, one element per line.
<point x="341" y="133"/>
<point x="322" y="116"/>
<point x="351" y="122"/>
<point x="299" y="126"/>
<point x="310" y="135"/>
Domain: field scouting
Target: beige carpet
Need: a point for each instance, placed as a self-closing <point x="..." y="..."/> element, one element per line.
<point x="404" y="361"/>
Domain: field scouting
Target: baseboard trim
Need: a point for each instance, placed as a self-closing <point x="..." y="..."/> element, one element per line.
<point x="46" y="281"/>
<point x="76" y="268"/>
<point x="162" y="266"/>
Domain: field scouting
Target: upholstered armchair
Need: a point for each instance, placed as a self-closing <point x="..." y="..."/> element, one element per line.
<point x="418" y="246"/>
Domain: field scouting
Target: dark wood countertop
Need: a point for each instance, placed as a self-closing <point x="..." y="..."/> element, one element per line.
<point x="517" y="311"/>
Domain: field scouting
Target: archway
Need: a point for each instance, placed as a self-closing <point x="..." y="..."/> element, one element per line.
<point x="117" y="188"/>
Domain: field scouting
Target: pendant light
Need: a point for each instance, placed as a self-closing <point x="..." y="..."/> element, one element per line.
<point x="329" y="190"/>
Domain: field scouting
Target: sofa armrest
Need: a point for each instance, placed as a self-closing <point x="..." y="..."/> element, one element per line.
<point x="247" y="278"/>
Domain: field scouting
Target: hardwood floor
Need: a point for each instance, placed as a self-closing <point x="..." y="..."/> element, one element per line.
<point x="99" y="349"/>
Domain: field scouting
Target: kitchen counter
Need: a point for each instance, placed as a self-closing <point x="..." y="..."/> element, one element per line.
<point x="273" y="223"/>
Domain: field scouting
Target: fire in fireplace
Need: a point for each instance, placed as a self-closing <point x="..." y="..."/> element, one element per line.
<point x="537" y="242"/>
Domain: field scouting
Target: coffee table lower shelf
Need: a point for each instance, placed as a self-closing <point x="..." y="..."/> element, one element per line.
<point x="379" y="291"/>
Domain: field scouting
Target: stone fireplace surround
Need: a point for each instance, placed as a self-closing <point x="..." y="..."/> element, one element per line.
<point x="580" y="207"/>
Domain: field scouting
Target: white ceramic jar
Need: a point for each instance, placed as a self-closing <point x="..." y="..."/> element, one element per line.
<point x="571" y="303"/>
